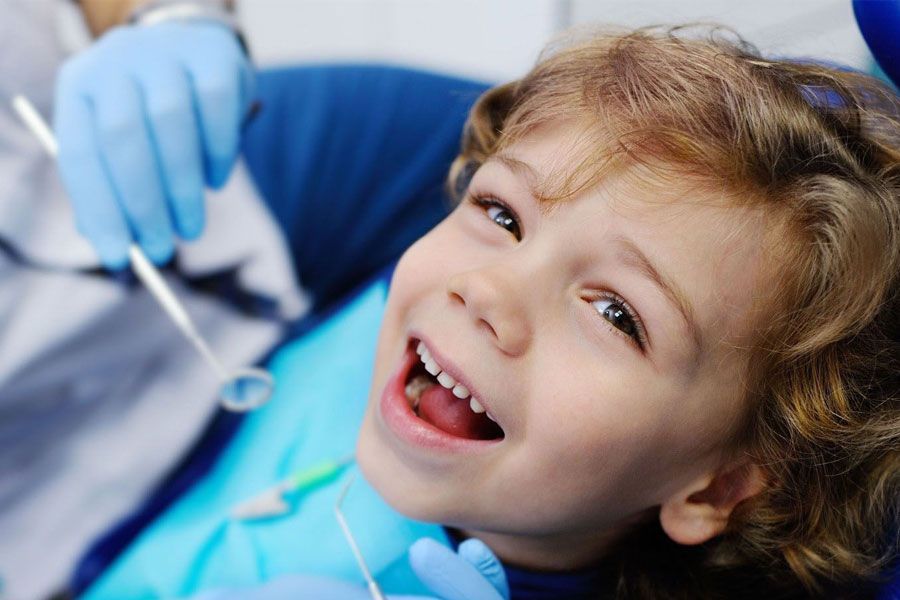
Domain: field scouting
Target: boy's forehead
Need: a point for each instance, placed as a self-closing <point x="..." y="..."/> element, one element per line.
<point x="564" y="159"/>
<point x="555" y="159"/>
<point x="567" y="159"/>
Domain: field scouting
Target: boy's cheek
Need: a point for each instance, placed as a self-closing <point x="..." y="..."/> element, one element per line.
<point x="412" y="272"/>
<point x="421" y="273"/>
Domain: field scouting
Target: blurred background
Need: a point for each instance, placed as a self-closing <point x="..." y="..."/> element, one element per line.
<point x="496" y="40"/>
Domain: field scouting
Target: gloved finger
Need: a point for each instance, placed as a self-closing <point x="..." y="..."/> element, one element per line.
<point x="220" y="104"/>
<point x="447" y="575"/>
<point x="480" y="556"/>
<point x="97" y="213"/>
<point x="175" y="134"/>
<point x="130" y="159"/>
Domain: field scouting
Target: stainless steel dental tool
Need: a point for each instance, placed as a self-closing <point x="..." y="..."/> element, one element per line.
<point x="374" y="589"/>
<point x="240" y="389"/>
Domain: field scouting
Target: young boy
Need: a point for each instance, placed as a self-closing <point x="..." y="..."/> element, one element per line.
<point x="652" y="353"/>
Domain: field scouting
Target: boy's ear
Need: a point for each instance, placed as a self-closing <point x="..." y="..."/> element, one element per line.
<point x="700" y="511"/>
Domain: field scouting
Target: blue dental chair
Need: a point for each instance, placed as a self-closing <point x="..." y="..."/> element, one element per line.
<point x="879" y="22"/>
<point x="393" y="153"/>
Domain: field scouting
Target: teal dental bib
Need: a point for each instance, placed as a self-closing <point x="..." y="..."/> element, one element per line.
<point x="322" y="385"/>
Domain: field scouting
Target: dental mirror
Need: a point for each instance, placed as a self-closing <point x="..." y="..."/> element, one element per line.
<point x="246" y="389"/>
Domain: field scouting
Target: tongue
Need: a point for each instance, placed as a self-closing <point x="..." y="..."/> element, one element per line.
<point x="445" y="411"/>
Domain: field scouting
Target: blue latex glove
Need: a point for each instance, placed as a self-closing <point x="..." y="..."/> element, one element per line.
<point x="472" y="574"/>
<point x="144" y="117"/>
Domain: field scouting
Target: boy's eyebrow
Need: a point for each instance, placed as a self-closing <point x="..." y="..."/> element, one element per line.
<point x="522" y="169"/>
<point x="631" y="255"/>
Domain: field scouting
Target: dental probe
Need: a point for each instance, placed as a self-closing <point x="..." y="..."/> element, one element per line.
<point x="240" y="390"/>
<point x="374" y="589"/>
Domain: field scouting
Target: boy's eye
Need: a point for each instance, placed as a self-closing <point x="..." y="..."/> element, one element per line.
<point x="621" y="317"/>
<point x="500" y="214"/>
<point x="504" y="219"/>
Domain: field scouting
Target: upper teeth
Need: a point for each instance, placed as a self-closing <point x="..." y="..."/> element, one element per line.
<point x="446" y="380"/>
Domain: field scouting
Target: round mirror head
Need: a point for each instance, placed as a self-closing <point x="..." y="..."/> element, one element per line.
<point x="247" y="389"/>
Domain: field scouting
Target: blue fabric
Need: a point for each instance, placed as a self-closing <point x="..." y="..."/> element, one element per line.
<point x="879" y="22"/>
<point x="891" y="591"/>
<point x="323" y="383"/>
<point x="352" y="162"/>
<point x="582" y="584"/>
<point x="578" y="585"/>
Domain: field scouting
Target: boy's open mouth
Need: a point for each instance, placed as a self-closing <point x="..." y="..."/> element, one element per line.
<point x="436" y="398"/>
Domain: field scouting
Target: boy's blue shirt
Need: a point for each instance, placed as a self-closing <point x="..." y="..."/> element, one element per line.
<point x="322" y="390"/>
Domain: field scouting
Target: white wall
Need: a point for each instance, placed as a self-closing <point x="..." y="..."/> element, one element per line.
<point x="812" y="28"/>
<point x="500" y="39"/>
<point x="490" y="40"/>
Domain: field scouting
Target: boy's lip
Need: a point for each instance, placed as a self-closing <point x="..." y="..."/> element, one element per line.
<point x="398" y="416"/>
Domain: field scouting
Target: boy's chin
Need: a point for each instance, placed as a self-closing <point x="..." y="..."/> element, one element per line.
<point x="396" y="485"/>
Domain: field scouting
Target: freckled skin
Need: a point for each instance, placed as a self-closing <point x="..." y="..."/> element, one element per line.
<point x="598" y="432"/>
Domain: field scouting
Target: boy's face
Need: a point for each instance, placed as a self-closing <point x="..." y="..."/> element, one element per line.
<point x="529" y="309"/>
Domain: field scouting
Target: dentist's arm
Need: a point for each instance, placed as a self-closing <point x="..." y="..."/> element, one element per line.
<point x="145" y="118"/>
<point x="101" y="15"/>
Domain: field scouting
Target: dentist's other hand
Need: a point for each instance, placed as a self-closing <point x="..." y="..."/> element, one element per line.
<point x="474" y="573"/>
<point x="145" y="117"/>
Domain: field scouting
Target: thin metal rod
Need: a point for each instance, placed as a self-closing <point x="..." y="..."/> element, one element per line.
<point x="374" y="589"/>
<point x="140" y="264"/>
<point x="36" y="124"/>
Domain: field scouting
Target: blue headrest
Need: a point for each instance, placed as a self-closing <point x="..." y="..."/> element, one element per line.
<point x="879" y="22"/>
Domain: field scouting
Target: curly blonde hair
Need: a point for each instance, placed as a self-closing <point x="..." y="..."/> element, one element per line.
<point x="819" y="148"/>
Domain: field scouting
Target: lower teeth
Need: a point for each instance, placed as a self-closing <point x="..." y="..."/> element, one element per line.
<point x="416" y="387"/>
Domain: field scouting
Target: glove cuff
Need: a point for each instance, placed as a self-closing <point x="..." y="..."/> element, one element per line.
<point x="187" y="11"/>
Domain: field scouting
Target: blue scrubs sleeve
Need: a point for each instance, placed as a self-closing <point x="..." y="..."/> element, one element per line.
<point x="352" y="161"/>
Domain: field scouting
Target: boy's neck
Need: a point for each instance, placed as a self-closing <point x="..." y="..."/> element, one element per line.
<point x="563" y="552"/>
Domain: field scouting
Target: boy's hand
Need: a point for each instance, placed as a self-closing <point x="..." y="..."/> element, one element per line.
<point x="472" y="574"/>
<point x="144" y="117"/>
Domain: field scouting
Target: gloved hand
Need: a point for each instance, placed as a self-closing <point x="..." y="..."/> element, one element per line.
<point x="472" y="574"/>
<point x="143" y="118"/>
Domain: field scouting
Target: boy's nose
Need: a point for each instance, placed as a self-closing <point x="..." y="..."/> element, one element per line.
<point x="496" y="304"/>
